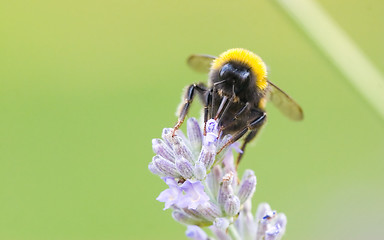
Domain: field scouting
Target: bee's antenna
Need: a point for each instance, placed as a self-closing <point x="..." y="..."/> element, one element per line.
<point x="225" y="102"/>
<point x="221" y="107"/>
<point x="213" y="100"/>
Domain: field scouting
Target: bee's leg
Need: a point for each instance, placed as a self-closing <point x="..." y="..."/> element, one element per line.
<point x="189" y="94"/>
<point x="251" y="135"/>
<point x="255" y="124"/>
<point x="237" y="115"/>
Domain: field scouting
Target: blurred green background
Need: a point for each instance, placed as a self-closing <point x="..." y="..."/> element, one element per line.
<point x="85" y="85"/>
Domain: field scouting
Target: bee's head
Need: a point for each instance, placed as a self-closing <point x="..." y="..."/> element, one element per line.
<point x="238" y="67"/>
<point x="234" y="74"/>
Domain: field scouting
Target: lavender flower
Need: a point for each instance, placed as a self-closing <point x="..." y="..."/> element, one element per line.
<point x="267" y="224"/>
<point x="194" y="195"/>
<point x="204" y="189"/>
<point x="170" y="196"/>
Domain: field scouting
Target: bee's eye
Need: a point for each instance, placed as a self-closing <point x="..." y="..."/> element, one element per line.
<point x="226" y="71"/>
<point x="229" y="71"/>
<point x="244" y="75"/>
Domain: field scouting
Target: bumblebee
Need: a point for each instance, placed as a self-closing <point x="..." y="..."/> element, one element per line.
<point x="237" y="92"/>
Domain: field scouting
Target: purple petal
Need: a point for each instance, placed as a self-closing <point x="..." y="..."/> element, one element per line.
<point x="194" y="195"/>
<point x="171" y="182"/>
<point x="196" y="233"/>
<point x="236" y="146"/>
<point x="170" y="196"/>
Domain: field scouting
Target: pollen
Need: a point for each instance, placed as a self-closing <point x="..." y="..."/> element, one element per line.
<point x="262" y="103"/>
<point x="243" y="56"/>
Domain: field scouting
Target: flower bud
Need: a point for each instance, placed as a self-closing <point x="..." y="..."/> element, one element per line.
<point x="247" y="186"/>
<point x="185" y="218"/>
<point x="272" y="233"/>
<point x="229" y="166"/>
<point x="209" y="211"/>
<point x="220" y="234"/>
<point x="213" y="180"/>
<point x="225" y="189"/>
<point x="154" y="170"/>
<point x="164" y="166"/>
<point x="194" y="134"/>
<point x="200" y="171"/>
<point x="194" y="213"/>
<point x="262" y="224"/>
<point x="207" y="156"/>
<point x="181" y="149"/>
<point x="167" y="136"/>
<point x="211" y="132"/>
<point x="245" y="223"/>
<point x="262" y="209"/>
<point x="184" y="167"/>
<point x="232" y="205"/>
<point x="221" y="223"/>
<point x="268" y="216"/>
<point x="161" y="148"/>
<point x="281" y="220"/>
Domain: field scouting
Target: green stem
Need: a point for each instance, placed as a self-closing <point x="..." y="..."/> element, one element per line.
<point x="208" y="191"/>
<point x="233" y="232"/>
<point x="339" y="48"/>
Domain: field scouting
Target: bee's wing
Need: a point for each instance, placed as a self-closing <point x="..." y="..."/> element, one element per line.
<point x="285" y="103"/>
<point x="200" y="62"/>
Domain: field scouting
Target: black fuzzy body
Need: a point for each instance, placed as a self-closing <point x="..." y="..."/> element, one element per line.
<point x="242" y="92"/>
